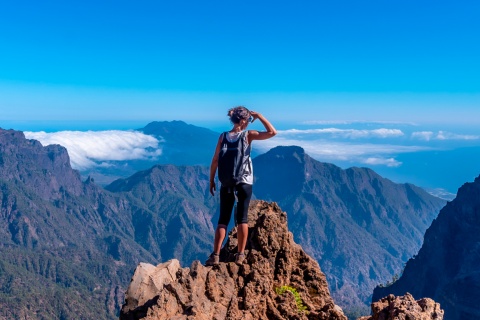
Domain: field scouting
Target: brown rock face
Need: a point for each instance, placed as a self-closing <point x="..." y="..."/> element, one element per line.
<point x="229" y="291"/>
<point x="405" y="307"/>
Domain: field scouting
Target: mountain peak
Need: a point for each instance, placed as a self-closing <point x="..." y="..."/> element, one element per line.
<point x="277" y="281"/>
<point x="172" y="128"/>
<point x="287" y="150"/>
<point x="43" y="169"/>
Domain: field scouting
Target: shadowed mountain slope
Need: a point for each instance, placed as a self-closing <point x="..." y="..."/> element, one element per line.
<point x="182" y="225"/>
<point x="359" y="226"/>
<point x="446" y="268"/>
<point x="68" y="247"/>
<point x="62" y="241"/>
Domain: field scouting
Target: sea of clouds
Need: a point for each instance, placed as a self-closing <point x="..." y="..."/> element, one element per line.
<point x="88" y="149"/>
<point x="372" y="147"/>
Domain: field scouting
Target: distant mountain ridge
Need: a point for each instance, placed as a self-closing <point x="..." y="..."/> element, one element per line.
<point x="181" y="144"/>
<point x="447" y="266"/>
<point x="183" y="207"/>
<point x="359" y="226"/>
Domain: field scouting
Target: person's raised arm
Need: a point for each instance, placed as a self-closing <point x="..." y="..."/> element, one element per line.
<point x="214" y="165"/>
<point x="261" y="135"/>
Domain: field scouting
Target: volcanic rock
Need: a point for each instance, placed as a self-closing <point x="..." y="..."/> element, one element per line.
<point x="229" y="291"/>
<point x="405" y="307"/>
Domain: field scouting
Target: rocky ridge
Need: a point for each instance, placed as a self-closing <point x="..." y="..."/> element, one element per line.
<point x="405" y="307"/>
<point x="228" y="291"/>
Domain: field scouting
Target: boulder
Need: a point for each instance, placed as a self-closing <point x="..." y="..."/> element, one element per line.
<point x="405" y="308"/>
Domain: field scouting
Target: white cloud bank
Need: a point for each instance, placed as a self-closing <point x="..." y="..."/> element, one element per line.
<point x="87" y="148"/>
<point x="334" y="122"/>
<point x="442" y="135"/>
<point x="347" y="133"/>
<point x="324" y="150"/>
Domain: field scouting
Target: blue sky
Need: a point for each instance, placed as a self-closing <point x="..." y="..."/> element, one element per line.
<point x="344" y="72"/>
<point x="164" y="60"/>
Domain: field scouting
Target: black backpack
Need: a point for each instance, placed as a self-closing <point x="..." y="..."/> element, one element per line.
<point x="231" y="160"/>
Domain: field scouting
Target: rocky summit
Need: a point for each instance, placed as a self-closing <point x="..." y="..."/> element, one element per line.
<point x="278" y="280"/>
<point x="405" y="307"/>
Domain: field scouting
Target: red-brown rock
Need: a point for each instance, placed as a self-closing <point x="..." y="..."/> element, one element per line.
<point x="405" y="308"/>
<point x="229" y="291"/>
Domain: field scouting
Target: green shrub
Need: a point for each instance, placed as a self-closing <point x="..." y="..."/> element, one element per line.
<point x="298" y="300"/>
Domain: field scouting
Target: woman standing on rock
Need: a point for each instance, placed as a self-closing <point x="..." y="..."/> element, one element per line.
<point x="235" y="172"/>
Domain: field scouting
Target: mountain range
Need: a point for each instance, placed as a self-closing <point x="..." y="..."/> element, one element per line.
<point x="68" y="244"/>
<point x="359" y="226"/>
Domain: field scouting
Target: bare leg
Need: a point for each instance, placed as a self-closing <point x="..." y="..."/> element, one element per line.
<point x="242" y="237"/>
<point x="220" y="233"/>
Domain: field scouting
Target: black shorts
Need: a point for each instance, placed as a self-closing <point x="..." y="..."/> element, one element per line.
<point x="227" y="200"/>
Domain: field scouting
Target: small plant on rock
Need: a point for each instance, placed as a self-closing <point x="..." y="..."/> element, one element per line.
<point x="298" y="300"/>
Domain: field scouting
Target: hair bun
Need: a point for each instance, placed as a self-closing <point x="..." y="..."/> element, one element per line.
<point x="238" y="113"/>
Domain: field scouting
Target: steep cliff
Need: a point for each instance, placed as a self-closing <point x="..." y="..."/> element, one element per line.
<point x="277" y="281"/>
<point x="446" y="268"/>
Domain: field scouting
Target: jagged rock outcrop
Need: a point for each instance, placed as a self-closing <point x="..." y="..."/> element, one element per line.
<point x="229" y="291"/>
<point x="47" y="169"/>
<point x="405" y="307"/>
<point x="446" y="268"/>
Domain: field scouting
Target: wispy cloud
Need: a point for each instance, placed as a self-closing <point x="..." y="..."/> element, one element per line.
<point x="347" y="133"/>
<point x="325" y="150"/>
<point x="345" y="122"/>
<point x="389" y="162"/>
<point x="89" y="148"/>
<point x="422" y="135"/>
<point x="442" y="135"/>
<point x="441" y="193"/>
